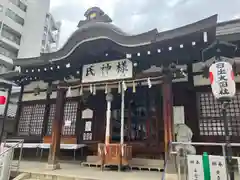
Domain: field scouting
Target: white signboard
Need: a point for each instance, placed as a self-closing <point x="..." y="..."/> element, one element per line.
<point x="178" y="115"/>
<point x="222" y="80"/>
<point x="87" y="136"/>
<point x="110" y="70"/>
<point x="87" y="114"/>
<point x="217" y="167"/>
<point x="88" y="126"/>
<point x="195" y="167"/>
<point x="238" y="161"/>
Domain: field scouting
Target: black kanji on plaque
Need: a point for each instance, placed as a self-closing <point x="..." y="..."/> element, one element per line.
<point x="214" y="163"/>
<point x="105" y="68"/>
<point x="90" y="71"/>
<point x="195" y="176"/>
<point x="220" y="164"/>
<point x="223" y="91"/>
<point x="197" y="162"/>
<point x="220" y="65"/>
<point x="191" y="162"/>
<point x="223" y="84"/>
<point x="222" y="77"/>
<point x="122" y="67"/>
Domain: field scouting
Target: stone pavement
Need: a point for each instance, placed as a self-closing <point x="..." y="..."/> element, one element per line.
<point x="72" y="170"/>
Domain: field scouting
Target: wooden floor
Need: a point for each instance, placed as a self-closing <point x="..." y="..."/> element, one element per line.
<point x="74" y="170"/>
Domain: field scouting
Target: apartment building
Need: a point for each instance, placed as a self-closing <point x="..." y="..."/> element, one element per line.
<point x="51" y="34"/>
<point x="26" y="30"/>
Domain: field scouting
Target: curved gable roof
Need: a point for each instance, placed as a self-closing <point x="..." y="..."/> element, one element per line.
<point x="100" y="28"/>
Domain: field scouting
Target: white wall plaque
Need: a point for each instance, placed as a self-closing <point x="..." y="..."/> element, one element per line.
<point x="110" y="70"/>
<point x="87" y="114"/>
<point x="87" y="136"/>
<point x="178" y="115"/>
<point x="217" y="167"/>
<point x="195" y="167"/>
<point x="88" y="126"/>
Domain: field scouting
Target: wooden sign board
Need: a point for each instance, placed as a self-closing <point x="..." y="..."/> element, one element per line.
<point x="195" y="167"/>
<point x="218" y="169"/>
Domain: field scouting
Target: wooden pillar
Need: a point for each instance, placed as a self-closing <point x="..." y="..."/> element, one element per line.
<point x="53" y="157"/>
<point x="129" y="123"/>
<point x="167" y="110"/>
<point x="191" y="116"/>
<point x="47" y="111"/>
<point x="79" y="122"/>
<point x="19" y="109"/>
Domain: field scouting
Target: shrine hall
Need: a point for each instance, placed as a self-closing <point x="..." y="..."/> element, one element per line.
<point x="106" y="86"/>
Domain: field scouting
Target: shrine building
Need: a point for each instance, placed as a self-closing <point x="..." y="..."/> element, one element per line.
<point x="161" y="73"/>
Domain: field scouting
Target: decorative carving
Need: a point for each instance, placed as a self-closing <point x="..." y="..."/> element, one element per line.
<point x="95" y="14"/>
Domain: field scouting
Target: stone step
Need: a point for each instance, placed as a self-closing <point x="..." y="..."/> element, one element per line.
<point x="39" y="176"/>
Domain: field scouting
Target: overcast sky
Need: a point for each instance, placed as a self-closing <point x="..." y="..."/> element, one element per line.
<point x="135" y="16"/>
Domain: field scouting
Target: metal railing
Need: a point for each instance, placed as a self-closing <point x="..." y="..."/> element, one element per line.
<point x="6" y="157"/>
<point x="176" y="161"/>
<point x="15" y="144"/>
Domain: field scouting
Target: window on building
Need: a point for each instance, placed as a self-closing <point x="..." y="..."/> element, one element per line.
<point x="19" y="4"/>
<point x="8" y="51"/>
<point x="31" y="119"/>
<point x="70" y="114"/>
<point x="210" y="116"/>
<point x="15" y="17"/>
<point x="11" y="34"/>
<point x="3" y="69"/>
<point x="1" y="8"/>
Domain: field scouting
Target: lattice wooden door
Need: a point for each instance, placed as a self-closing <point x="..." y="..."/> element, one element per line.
<point x="50" y="118"/>
<point x="210" y="117"/>
<point x="70" y="115"/>
<point x="31" y="119"/>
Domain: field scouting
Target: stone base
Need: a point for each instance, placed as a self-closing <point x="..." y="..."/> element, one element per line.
<point x="53" y="166"/>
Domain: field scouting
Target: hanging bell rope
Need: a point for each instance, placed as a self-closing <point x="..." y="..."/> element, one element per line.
<point x="134" y="87"/>
<point x="81" y="91"/>
<point x="119" y="87"/>
<point x="149" y="83"/>
<point x="124" y="86"/>
<point x="69" y="92"/>
<point x="94" y="89"/>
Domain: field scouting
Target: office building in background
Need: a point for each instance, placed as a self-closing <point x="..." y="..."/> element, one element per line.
<point x="26" y="29"/>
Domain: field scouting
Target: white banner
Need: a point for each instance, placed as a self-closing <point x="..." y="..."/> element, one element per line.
<point x="195" y="167"/>
<point x="105" y="71"/>
<point x="217" y="167"/>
